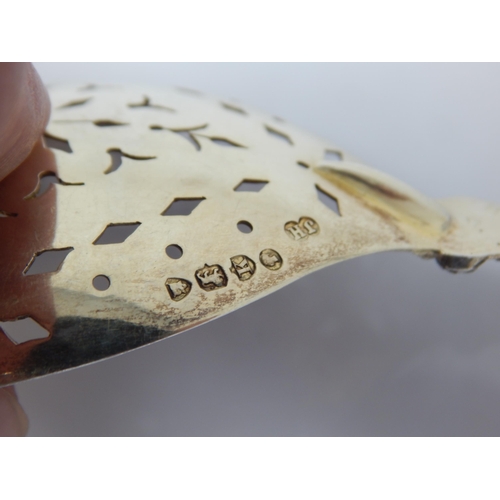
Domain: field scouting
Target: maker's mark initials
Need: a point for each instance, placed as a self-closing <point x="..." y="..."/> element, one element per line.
<point x="302" y="229"/>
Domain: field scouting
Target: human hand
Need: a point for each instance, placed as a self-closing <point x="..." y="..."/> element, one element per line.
<point x="24" y="112"/>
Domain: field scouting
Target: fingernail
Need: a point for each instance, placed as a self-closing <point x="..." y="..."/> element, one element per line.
<point x="25" y="109"/>
<point x="13" y="419"/>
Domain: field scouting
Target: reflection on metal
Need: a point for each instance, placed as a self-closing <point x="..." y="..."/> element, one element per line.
<point x="236" y="247"/>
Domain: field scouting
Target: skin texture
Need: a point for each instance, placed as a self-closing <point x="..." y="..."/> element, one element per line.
<point x="24" y="112"/>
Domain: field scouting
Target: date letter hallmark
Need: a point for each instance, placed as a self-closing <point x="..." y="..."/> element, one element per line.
<point x="302" y="229"/>
<point x="178" y="288"/>
<point x="243" y="267"/>
<point x="211" y="277"/>
<point x="271" y="259"/>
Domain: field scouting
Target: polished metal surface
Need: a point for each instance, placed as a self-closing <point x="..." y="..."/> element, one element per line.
<point x="166" y="209"/>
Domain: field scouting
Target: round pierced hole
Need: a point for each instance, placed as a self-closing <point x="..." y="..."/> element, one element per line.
<point x="245" y="226"/>
<point x="101" y="282"/>
<point x="174" y="251"/>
